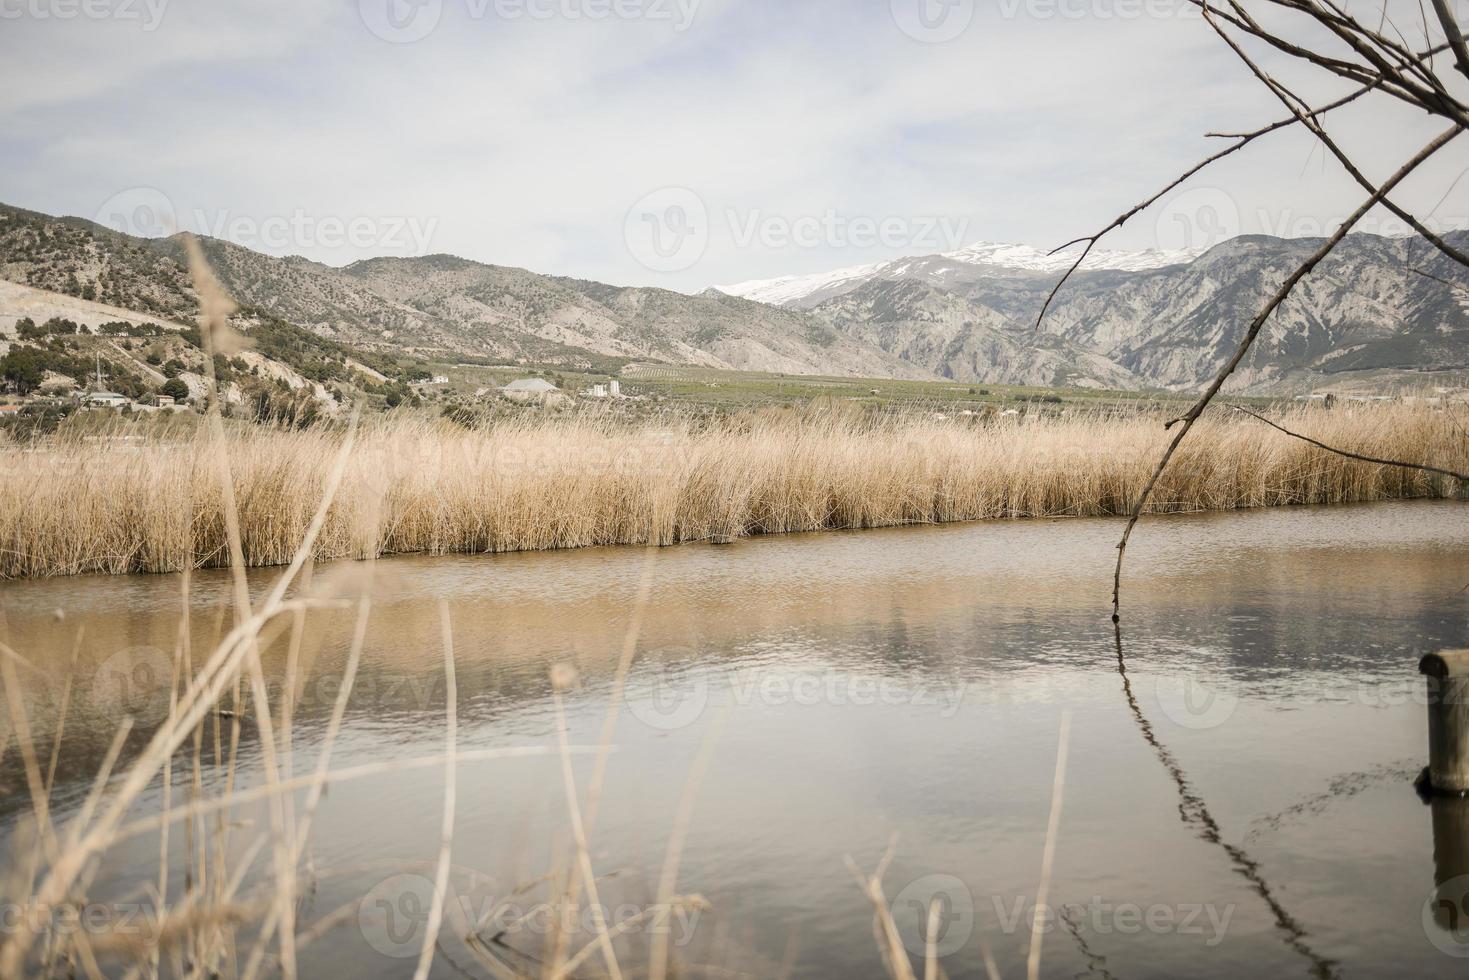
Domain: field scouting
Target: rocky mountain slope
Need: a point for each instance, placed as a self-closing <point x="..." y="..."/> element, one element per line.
<point x="1127" y="320"/>
<point x="1367" y="309"/>
<point x="438" y="304"/>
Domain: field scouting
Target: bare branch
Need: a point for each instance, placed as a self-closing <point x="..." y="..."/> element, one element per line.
<point x="1434" y="98"/>
<point x="1447" y="282"/>
<point x="1391" y="81"/>
<point x="1454" y="33"/>
<point x="1352" y="455"/>
<point x="1241" y="141"/>
<point x="1229" y="368"/>
<point x="1291" y="102"/>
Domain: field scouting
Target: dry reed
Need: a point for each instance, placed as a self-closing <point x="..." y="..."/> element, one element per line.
<point x="415" y="485"/>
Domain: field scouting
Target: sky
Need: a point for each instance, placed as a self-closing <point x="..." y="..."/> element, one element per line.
<point x="674" y="143"/>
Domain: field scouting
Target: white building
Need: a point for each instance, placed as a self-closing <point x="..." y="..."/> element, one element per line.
<point x="529" y="386"/>
<point x="528" y="390"/>
<point x="105" y="399"/>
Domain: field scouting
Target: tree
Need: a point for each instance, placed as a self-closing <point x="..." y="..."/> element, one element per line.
<point x="22" y="369"/>
<point x="176" y="389"/>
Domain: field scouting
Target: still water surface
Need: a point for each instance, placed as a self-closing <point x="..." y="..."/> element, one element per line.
<point x="1238" y="793"/>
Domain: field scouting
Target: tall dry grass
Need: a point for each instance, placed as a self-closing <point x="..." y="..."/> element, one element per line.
<point x="428" y="486"/>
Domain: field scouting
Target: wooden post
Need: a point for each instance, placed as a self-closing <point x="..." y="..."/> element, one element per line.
<point x="1448" y="720"/>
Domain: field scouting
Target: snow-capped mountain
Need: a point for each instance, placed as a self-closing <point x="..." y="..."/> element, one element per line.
<point x="992" y="258"/>
<point x="1364" y="312"/>
<point x="1365" y="317"/>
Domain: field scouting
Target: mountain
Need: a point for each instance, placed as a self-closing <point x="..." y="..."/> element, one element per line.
<point x="952" y="337"/>
<point x="1377" y="312"/>
<point x="438" y="304"/>
<point x="1366" y="315"/>
<point x="988" y="258"/>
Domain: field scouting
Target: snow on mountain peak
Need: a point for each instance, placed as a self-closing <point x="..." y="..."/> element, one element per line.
<point x="786" y="289"/>
<point x="1017" y="258"/>
<point x="1028" y="259"/>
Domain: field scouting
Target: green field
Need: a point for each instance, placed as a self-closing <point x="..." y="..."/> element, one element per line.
<point x="712" y="388"/>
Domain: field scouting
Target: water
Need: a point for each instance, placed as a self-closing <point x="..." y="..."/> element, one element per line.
<point x="1237" y="797"/>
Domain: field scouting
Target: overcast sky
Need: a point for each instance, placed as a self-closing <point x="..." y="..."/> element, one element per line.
<point x="679" y="143"/>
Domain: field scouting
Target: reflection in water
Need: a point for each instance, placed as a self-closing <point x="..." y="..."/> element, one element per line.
<point x="1096" y="963"/>
<point x="1195" y="813"/>
<point x="839" y="658"/>
<point x="1450" y="837"/>
<point x="1339" y="790"/>
<point x="1451" y="867"/>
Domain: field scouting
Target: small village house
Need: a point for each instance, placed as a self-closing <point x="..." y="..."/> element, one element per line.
<point x="105" y="399"/>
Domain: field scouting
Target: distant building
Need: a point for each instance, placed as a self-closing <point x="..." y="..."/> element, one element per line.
<point x="616" y="388"/>
<point x="530" y="386"/>
<point x="105" y="399"/>
<point x="599" y="391"/>
<point x="530" y="390"/>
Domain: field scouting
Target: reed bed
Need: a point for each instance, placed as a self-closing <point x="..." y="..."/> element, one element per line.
<point x="411" y="485"/>
<point x="418" y="485"/>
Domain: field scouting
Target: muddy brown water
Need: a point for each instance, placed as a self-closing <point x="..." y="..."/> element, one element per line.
<point x="1238" y="793"/>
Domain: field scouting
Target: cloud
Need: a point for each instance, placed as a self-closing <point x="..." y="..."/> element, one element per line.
<point x="525" y="137"/>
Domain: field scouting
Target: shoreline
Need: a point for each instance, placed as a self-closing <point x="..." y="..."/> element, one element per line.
<point x="751" y="536"/>
<point x="415" y="486"/>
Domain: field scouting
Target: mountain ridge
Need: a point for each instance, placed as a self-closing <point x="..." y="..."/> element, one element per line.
<point x="1140" y="320"/>
<point x="789" y="290"/>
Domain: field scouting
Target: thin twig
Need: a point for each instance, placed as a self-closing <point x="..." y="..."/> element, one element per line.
<point x="1241" y="141"/>
<point x="578" y="830"/>
<point x="1048" y="854"/>
<point x="1351" y="455"/>
<point x="683" y="819"/>
<point x="446" y="832"/>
